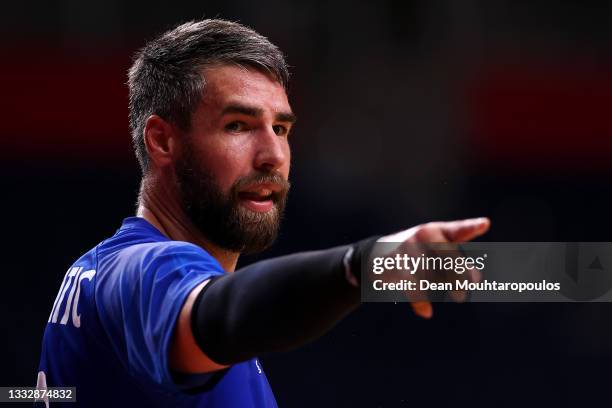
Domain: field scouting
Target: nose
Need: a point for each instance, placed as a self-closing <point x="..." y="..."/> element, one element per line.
<point x="272" y="151"/>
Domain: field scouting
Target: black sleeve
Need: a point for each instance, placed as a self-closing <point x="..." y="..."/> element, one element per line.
<point x="276" y="304"/>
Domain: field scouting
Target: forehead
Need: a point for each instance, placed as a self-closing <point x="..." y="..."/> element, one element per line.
<point x="229" y="84"/>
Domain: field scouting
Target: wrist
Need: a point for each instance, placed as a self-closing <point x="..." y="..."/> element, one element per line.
<point x="353" y="258"/>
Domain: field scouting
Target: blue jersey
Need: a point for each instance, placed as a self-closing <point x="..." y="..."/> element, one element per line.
<point x="110" y="328"/>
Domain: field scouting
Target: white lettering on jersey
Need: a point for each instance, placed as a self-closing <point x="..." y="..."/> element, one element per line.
<point x="72" y="281"/>
<point x="60" y="296"/>
<point x="70" y="296"/>
<point x="76" y="318"/>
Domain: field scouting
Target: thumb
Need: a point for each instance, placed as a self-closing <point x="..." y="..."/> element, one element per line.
<point x="422" y="309"/>
<point x="465" y="230"/>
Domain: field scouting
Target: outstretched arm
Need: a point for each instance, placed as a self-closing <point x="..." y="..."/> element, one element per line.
<point x="284" y="302"/>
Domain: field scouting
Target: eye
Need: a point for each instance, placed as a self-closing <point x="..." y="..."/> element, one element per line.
<point x="280" y="130"/>
<point x="236" y="126"/>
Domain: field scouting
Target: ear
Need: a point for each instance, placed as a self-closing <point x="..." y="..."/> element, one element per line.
<point x="161" y="141"/>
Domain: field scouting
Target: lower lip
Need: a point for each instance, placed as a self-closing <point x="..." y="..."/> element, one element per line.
<point x="258" y="206"/>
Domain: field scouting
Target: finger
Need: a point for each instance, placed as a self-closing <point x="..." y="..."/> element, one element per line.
<point x="445" y="251"/>
<point x="422" y="309"/>
<point x="428" y="272"/>
<point x="474" y="275"/>
<point x="471" y="275"/>
<point x="465" y="230"/>
<point x="458" y="296"/>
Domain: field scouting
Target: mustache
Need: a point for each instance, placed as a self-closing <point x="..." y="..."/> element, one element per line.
<point x="260" y="177"/>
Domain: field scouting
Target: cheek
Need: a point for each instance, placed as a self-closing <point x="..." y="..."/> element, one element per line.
<point x="231" y="162"/>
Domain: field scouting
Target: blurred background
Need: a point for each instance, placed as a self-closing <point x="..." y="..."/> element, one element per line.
<point x="409" y="111"/>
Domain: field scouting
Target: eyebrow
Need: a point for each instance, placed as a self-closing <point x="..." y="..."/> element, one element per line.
<point x="256" y="112"/>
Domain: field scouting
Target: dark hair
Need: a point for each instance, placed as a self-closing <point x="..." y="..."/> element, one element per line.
<point x="166" y="76"/>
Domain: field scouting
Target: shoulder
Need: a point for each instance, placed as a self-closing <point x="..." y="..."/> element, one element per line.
<point x="160" y="258"/>
<point x="165" y="249"/>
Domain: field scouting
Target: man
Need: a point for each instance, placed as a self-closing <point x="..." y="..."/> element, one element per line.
<point x="154" y="316"/>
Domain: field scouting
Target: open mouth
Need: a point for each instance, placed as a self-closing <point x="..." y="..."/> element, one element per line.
<point x="258" y="198"/>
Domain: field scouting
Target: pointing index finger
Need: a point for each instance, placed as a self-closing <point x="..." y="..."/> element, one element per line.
<point x="465" y="230"/>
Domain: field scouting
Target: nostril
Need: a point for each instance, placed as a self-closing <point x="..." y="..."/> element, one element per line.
<point x="267" y="166"/>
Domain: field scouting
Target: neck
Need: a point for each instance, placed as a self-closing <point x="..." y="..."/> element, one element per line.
<point x="159" y="205"/>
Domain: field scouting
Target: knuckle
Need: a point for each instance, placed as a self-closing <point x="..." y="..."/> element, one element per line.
<point x="430" y="225"/>
<point x="422" y="234"/>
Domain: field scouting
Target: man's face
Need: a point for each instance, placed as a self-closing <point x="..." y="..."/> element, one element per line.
<point x="234" y="167"/>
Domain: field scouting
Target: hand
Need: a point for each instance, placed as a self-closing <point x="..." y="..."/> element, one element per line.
<point x="438" y="232"/>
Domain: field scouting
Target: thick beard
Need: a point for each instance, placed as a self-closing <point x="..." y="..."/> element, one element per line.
<point x="219" y="216"/>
